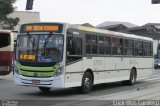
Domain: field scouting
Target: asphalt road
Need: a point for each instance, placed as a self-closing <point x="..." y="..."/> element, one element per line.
<point x="31" y="96"/>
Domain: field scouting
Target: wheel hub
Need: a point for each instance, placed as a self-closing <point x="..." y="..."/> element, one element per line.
<point x="87" y="83"/>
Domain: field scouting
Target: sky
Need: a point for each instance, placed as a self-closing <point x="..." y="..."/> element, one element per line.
<point x="95" y="12"/>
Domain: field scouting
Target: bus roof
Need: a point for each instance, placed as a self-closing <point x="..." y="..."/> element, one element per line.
<point x="5" y="31"/>
<point x="102" y="31"/>
<point x="96" y="30"/>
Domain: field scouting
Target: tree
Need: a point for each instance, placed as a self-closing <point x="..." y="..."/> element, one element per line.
<point x="6" y="7"/>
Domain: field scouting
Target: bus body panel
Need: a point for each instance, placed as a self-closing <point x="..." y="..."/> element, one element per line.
<point x="105" y="68"/>
<point x="6" y="57"/>
<point x="74" y="73"/>
<point x="145" y="67"/>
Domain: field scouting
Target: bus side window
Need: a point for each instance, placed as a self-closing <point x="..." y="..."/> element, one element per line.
<point x="74" y="49"/>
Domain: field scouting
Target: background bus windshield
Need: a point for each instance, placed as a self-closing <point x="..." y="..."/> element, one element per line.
<point x="41" y="48"/>
<point x="4" y="40"/>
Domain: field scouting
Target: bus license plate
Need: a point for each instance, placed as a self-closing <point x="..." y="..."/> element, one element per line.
<point x="35" y="81"/>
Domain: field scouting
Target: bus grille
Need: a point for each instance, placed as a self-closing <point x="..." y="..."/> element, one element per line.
<point x="38" y="74"/>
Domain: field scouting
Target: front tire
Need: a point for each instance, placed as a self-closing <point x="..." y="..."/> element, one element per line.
<point x="87" y="83"/>
<point x="44" y="89"/>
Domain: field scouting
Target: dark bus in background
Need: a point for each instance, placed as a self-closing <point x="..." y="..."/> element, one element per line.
<point x="6" y="51"/>
<point x="158" y="51"/>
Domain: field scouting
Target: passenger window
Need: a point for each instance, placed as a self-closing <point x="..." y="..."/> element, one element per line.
<point x="88" y="39"/>
<point x="108" y="45"/>
<point x="91" y="44"/>
<point x="74" y="49"/>
<point x="138" y="48"/>
<point x="101" y="40"/>
<point x="128" y="47"/>
<point x="147" y="49"/>
<point x="104" y="44"/>
<point x="117" y="46"/>
<point x="74" y="46"/>
<point x="94" y="39"/>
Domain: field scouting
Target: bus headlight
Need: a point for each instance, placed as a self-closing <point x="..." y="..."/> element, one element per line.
<point x="59" y="71"/>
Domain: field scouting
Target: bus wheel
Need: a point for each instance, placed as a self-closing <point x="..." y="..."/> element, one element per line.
<point x="132" y="79"/>
<point x="44" y="89"/>
<point x="87" y="83"/>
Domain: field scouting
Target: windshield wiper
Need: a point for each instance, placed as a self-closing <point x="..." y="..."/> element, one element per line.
<point x="31" y="40"/>
<point x="46" y="41"/>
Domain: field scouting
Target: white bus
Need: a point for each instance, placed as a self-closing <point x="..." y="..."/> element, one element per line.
<point x="60" y="55"/>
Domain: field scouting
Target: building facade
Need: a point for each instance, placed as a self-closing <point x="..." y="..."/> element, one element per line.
<point x="24" y="17"/>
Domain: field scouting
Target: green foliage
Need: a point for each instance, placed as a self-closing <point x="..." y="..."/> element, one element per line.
<point x="9" y="23"/>
<point x="6" y="7"/>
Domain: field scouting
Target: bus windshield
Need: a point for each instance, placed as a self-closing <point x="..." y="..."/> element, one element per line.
<point x="4" y="39"/>
<point x="40" y="48"/>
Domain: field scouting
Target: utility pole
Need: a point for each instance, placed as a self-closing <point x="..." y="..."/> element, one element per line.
<point x="29" y="5"/>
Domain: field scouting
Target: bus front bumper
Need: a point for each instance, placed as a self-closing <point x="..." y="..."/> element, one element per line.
<point x="51" y="82"/>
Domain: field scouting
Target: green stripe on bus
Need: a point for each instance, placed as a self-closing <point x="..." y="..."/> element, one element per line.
<point x="48" y="70"/>
<point x="54" y="68"/>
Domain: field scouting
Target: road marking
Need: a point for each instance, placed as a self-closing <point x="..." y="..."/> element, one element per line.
<point x="155" y="75"/>
<point x="152" y="79"/>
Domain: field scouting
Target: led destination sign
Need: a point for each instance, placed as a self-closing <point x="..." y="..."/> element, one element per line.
<point x="41" y="27"/>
